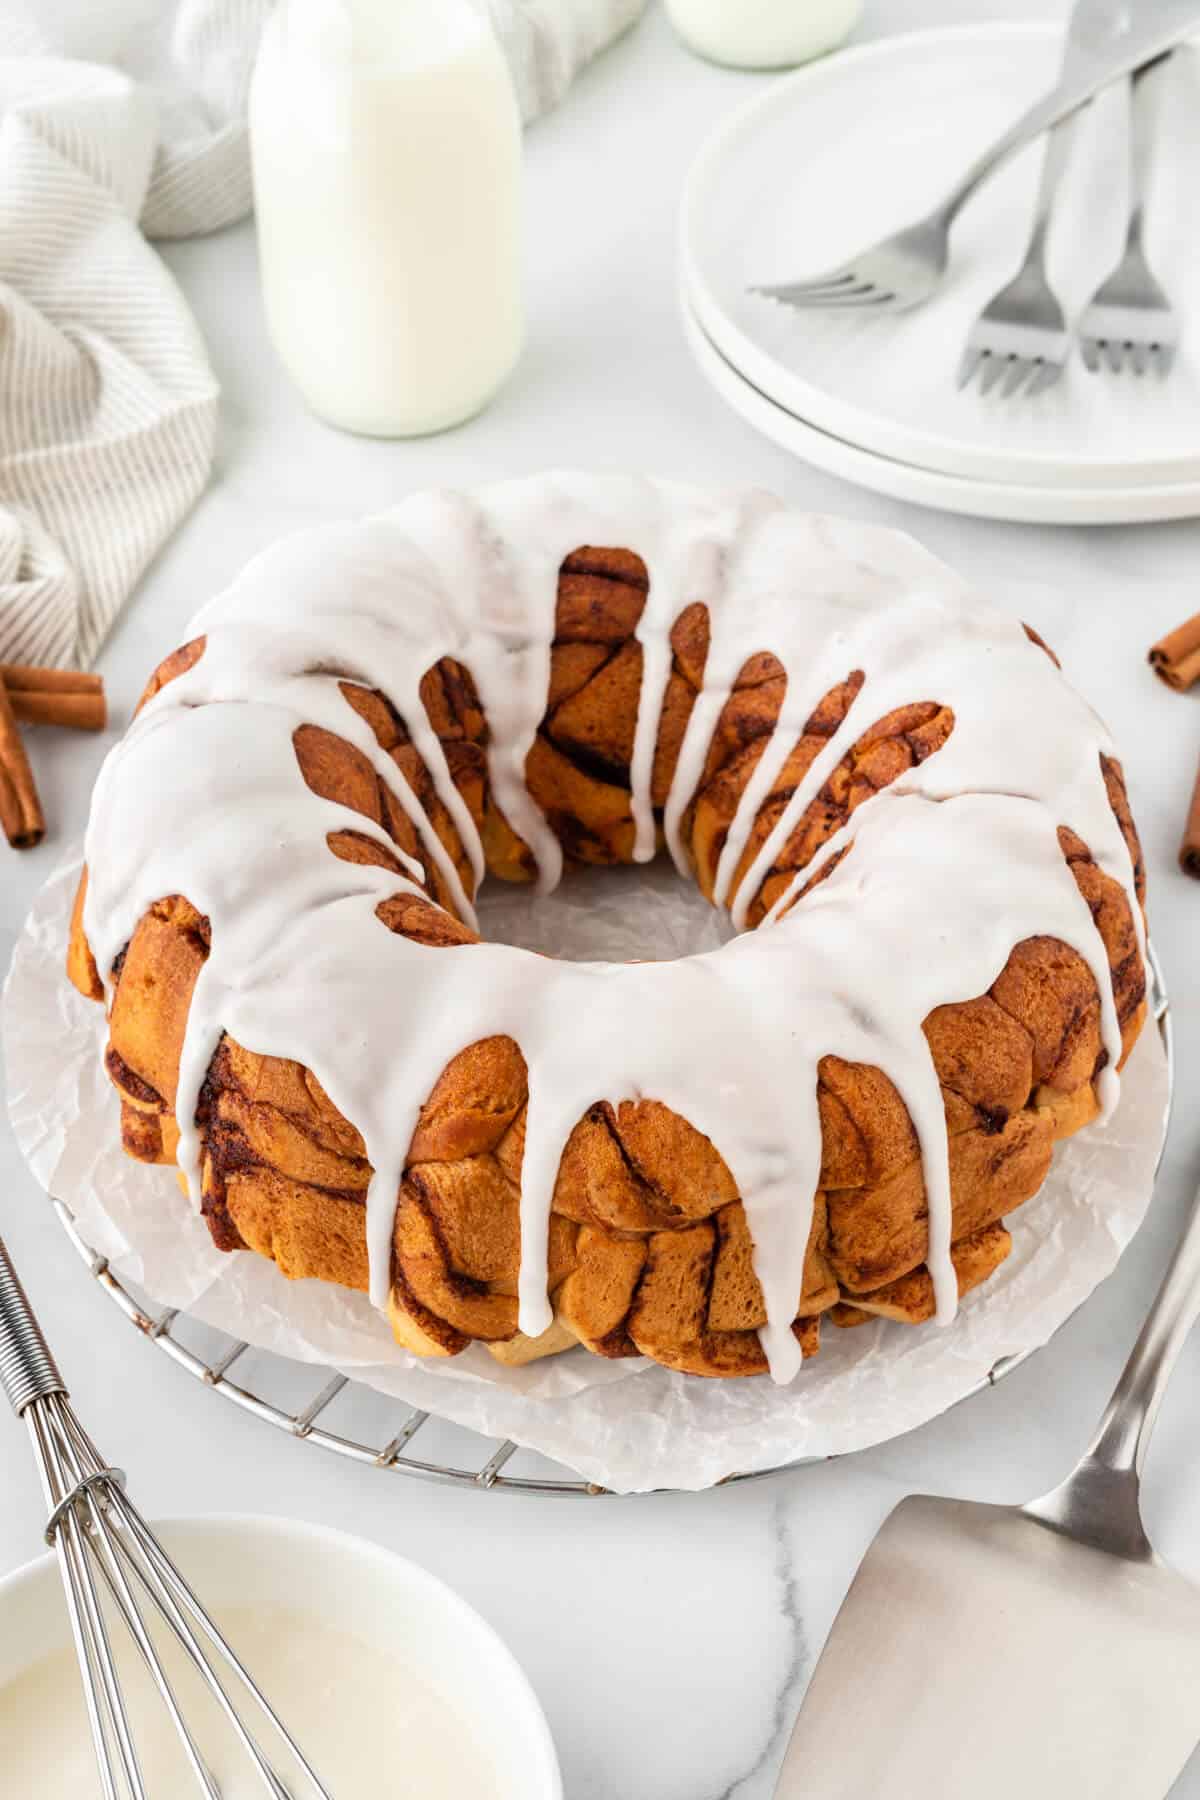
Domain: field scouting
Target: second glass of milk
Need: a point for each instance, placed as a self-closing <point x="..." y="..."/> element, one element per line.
<point x="763" y="34"/>
<point x="386" y="146"/>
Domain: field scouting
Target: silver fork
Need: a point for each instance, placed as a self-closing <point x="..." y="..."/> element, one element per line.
<point x="1129" y="323"/>
<point x="1021" y="339"/>
<point x="1107" y="41"/>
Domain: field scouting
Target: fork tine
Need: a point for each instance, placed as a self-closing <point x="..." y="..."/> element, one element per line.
<point x="1017" y="374"/>
<point x="791" y="291"/>
<point x="1114" y="354"/>
<point x="836" y="296"/>
<point x="1163" y="358"/>
<point x="992" y="371"/>
<point x="1139" y="357"/>
<point x="868" y="296"/>
<point x="969" y="365"/>
<point x="1089" y="349"/>
<point x="1045" y="376"/>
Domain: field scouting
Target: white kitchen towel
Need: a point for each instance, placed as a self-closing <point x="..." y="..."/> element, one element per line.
<point x="108" y="407"/>
<point x="547" y="42"/>
<point x="122" y="120"/>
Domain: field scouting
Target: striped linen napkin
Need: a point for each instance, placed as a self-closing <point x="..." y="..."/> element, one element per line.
<point x="121" y="122"/>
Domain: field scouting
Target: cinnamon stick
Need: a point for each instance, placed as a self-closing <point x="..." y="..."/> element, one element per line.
<point x="55" y="696"/>
<point x="20" y="809"/>
<point x="1176" y="658"/>
<point x="1189" y="850"/>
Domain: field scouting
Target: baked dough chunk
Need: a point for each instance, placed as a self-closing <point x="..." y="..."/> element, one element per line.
<point x="649" y="1252"/>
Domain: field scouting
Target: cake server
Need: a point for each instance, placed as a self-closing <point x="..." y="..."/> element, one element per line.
<point x="1107" y="39"/>
<point x="117" y="1575"/>
<point x="1040" y="1650"/>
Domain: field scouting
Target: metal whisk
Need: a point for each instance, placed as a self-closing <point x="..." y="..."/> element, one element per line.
<point x="96" y="1531"/>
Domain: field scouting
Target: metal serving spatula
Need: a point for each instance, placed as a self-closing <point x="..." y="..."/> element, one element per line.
<point x="1016" y="1653"/>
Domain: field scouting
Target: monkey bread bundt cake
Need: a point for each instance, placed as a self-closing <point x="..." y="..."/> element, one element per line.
<point x="890" y="786"/>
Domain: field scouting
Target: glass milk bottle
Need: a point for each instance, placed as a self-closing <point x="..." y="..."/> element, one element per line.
<point x="763" y="34"/>
<point x="386" y="147"/>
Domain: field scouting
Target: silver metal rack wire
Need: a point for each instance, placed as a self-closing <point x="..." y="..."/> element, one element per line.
<point x="376" y="1436"/>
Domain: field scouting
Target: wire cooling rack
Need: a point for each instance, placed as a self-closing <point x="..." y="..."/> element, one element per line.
<point x="376" y="1430"/>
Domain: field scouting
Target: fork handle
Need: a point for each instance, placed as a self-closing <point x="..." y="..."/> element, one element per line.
<point x="1135" y="41"/>
<point x="1145" y="103"/>
<point x="1054" y="166"/>
<point x="28" y="1371"/>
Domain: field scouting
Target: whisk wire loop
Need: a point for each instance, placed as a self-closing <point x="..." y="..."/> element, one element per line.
<point x="103" y="1478"/>
<point x="104" y="1543"/>
<point x="114" y="1569"/>
<point x="108" y="1720"/>
<point x="169" y="1594"/>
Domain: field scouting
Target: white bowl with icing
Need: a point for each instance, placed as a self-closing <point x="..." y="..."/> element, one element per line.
<point x="389" y="1681"/>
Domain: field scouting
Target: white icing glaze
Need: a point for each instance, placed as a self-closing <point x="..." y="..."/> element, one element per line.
<point x="368" y="1717"/>
<point x="952" y="866"/>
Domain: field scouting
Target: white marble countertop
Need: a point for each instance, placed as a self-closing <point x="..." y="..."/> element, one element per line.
<point x="669" y="1639"/>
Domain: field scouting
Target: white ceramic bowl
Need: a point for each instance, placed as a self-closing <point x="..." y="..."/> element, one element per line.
<point x="347" y="1585"/>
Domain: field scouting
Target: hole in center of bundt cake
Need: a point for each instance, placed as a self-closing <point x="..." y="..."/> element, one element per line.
<point x="645" y="914"/>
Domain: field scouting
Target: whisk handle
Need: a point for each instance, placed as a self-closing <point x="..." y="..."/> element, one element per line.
<point x="28" y="1372"/>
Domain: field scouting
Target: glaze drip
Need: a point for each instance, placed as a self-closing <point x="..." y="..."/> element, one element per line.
<point x="949" y="868"/>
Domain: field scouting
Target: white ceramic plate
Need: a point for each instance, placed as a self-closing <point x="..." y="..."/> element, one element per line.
<point x="1025" y="503"/>
<point x="829" y="159"/>
<point x="346" y="1585"/>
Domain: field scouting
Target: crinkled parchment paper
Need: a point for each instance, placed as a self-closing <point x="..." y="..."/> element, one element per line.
<point x="628" y="1425"/>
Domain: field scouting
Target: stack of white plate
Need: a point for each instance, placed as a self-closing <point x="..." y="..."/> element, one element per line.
<point x="826" y="161"/>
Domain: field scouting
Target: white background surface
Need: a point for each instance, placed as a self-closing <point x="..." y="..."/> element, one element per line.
<point x="669" y="1639"/>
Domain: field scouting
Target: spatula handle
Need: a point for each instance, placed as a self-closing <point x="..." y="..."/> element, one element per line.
<point x="1123" y="1437"/>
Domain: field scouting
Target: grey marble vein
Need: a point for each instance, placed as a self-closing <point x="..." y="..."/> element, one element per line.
<point x="746" y="1786"/>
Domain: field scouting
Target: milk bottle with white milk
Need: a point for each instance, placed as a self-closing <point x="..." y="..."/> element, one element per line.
<point x="763" y="34"/>
<point x="386" y="147"/>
